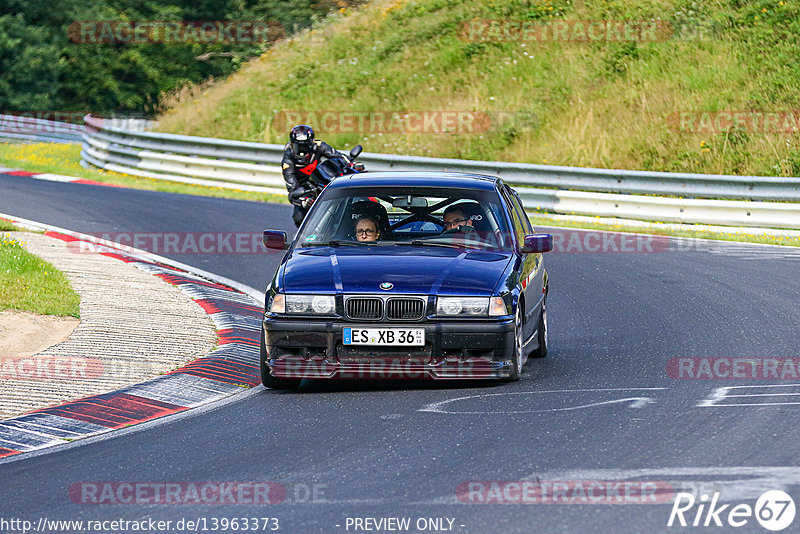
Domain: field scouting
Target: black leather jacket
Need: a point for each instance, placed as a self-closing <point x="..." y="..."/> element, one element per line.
<point x="296" y="173"/>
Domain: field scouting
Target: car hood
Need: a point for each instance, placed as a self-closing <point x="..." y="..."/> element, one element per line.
<point x="418" y="270"/>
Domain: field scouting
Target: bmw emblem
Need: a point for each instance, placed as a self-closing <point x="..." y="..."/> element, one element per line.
<point x="386" y="286"/>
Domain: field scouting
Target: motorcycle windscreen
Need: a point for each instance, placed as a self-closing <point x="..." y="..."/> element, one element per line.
<point x="328" y="170"/>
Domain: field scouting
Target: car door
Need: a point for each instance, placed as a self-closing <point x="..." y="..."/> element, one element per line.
<point x="530" y="271"/>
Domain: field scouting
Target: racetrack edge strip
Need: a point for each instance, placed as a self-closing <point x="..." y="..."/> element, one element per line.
<point x="231" y="368"/>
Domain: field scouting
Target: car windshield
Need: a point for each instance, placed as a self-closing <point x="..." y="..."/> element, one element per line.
<point x="414" y="216"/>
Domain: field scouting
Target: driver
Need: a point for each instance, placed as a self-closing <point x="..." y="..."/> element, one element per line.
<point x="367" y="229"/>
<point x="300" y="157"/>
<point x="455" y="218"/>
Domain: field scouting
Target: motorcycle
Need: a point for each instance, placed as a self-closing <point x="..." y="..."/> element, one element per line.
<point x="323" y="174"/>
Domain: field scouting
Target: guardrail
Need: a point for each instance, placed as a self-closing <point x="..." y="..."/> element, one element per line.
<point x="183" y="158"/>
<point x="33" y="129"/>
<point x="29" y="128"/>
<point x="689" y="198"/>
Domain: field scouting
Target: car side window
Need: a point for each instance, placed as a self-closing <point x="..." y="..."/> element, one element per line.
<point x="522" y="214"/>
<point x="526" y="223"/>
<point x="520" y="228"/>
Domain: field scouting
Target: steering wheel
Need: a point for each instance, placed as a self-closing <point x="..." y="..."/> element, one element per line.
<point x="465" y="230"/>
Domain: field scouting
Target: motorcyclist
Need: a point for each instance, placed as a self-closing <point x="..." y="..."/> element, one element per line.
<point x="300" y="157"/>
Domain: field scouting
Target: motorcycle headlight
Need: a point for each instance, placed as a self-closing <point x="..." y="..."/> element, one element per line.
<point x="307" y="304"/>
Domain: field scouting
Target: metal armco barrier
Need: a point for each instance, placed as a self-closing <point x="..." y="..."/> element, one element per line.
<point x="663" y="209"/>
<point x="687" y="198"/>
<point x="183" y="158"/>
<point x="30" y="128"/>
<point x="33" y="129"/>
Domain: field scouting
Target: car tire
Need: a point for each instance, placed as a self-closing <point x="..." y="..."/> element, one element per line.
<point x="267" y="379"/>
<point x="541" y="350"/>
<point x="516" y="356"/>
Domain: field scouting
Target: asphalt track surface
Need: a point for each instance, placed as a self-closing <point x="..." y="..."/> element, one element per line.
<point x="601" y="406"/>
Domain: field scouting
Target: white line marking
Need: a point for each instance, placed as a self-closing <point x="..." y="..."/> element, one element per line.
<point x="636" y="402"/>
<point x="733" y="483"/>
<point x="721" y="394"/>
<point x="765" y="395"/>
<point x="750" y="482"/>
<point x="53" y="177"/>
<point x="757" y="404"/>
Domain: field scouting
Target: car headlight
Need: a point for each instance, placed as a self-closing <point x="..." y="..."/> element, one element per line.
<point x="303" y="304"/>
<point x="462" y="306"/>
<point x="471" y="306"/>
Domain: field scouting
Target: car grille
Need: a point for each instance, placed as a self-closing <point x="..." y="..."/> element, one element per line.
<point x="405" y="309"/>
<point x="365" y="308"/>
<point x="393" y="308"/>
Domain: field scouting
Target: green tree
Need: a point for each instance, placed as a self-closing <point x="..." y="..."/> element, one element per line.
<point x="42" y="69"/>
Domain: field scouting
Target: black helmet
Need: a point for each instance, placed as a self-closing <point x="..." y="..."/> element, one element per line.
<point x="301" y="139"/>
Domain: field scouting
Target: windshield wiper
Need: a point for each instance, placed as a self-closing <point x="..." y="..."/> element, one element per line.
<point x="464" y="244"/>
<point x="421" y="243"/>
<point x="335" y="243"/>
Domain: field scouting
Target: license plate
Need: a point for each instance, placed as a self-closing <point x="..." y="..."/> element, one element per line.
<point x="388" y="337"/>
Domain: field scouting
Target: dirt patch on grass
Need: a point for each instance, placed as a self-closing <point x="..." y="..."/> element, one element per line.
<point x="25" y="334"/>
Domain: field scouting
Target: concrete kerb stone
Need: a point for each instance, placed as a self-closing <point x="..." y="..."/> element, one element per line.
<point x="132" y="321"/>
<point x="134" y="327"/>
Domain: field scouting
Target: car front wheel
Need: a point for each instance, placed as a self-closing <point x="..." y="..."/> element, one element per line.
<point x="541" y="350"/>
<point x="516" y="357"/>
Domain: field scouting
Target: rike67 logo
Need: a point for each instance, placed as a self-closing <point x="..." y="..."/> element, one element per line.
<point x="774" y="510"/>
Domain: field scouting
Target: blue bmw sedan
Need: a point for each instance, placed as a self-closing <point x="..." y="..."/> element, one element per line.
<point x="407" y="275"/>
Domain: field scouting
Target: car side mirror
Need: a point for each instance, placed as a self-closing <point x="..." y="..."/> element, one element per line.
<point x="355" y="151"/>
<point x="275" y="240"/>
<point x="537" y="243"/>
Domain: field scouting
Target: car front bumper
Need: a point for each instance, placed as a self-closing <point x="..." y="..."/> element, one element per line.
<point x="453" y="350"/>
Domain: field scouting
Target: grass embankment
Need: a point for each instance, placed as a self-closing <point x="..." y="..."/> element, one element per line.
<point x="595" y="104"/>
<point x="29" y="283"/>
<point x="65" y="159"/>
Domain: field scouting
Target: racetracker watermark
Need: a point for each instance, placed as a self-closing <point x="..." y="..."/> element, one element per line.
<point x="42" y="122"/>
<point x="54" y="368"/>
<point x="724" y="368"/>
<point x="392" y="122"/>
<point x="174" y="32"/>
<point x="587" y="241"/>
<point x="233" y="243"/>
<point x="381" y="368"/>
<point x="174" y="493"/>
<point x="194" y="523"/>
<point x="48" y="368"/>
<point x="565" y="492"/>
<point x="576" y="31"/>
<point x="712" y="122"/>
<point x="63" y="122"/>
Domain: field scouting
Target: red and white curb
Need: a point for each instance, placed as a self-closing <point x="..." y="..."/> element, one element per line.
<point x="53" y="177"/>
<point x="236" y="312"/>
<point x="143" y="174"/>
